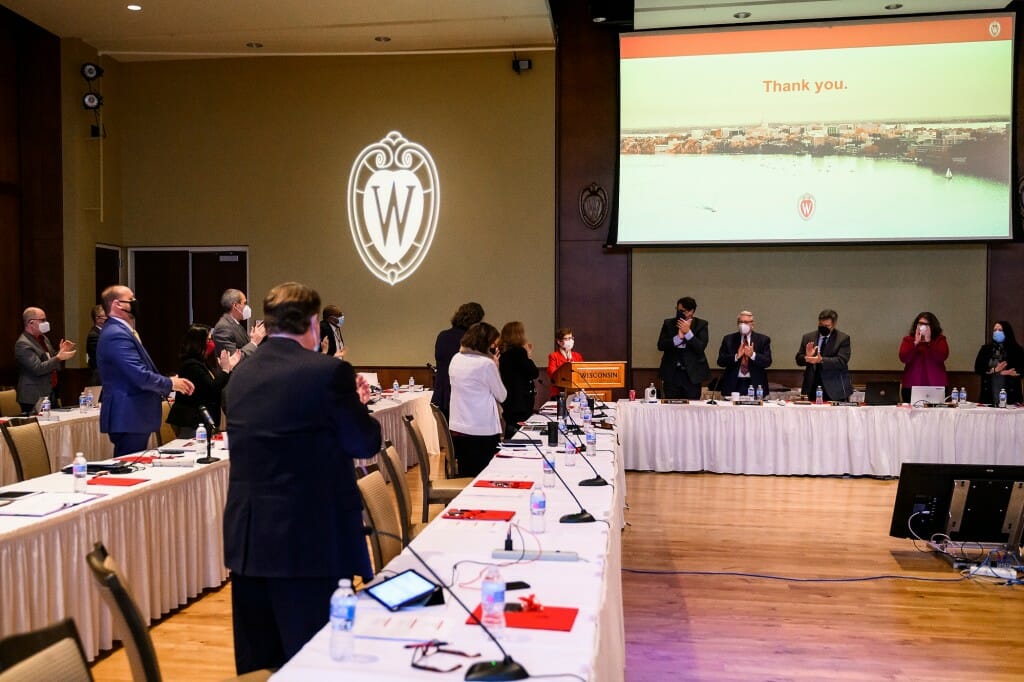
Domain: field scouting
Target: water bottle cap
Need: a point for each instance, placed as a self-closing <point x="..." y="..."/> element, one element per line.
<point x="345" y="582"/>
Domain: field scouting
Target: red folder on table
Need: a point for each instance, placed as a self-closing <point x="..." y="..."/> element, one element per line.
<point x="549" y="618"/>
<point x="520" y="485"/>
<point x="479" y="514"/>
<point x="111" y="480"/>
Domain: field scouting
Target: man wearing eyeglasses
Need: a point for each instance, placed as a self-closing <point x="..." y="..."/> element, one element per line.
<point x="38" y="364"/>
<point x="132" y="387"/>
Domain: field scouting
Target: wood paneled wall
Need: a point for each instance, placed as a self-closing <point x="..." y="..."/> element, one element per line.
<point x="31" y="212"/>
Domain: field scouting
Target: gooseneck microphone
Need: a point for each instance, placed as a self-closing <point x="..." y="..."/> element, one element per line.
<point x="209" y="459"/>
<point x="586" y="383"/>
<point x="581" y="447"/>
<point x="505" y="669"/>
<point x="582" y="516"/>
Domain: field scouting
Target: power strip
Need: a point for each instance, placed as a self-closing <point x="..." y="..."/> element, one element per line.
<point x="175" y="462"/>
<point x="1004" y="572"/>
<point x="534" y="555"/>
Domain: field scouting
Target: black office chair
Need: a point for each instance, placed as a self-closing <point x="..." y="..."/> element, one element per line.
<point x="51" y="653"/>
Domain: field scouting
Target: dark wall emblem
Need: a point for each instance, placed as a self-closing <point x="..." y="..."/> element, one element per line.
<point x="593" y="205"/>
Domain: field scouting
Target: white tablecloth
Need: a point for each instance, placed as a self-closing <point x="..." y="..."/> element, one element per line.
<point x="595" y="647"/>
<point x="389" y="412"/>
<point x="165" y="534"/>
<point x="72" y="431"/>
<point x="813" y="439"/>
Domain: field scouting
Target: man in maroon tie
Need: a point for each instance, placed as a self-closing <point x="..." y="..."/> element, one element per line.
<point x="744" y="355"/>
<point x="38" y="364"/>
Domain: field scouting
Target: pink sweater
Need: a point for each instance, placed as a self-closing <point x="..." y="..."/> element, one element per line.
<point x="925" y="362"/>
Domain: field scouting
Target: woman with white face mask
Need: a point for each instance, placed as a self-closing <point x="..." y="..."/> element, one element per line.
<point x="562" y="354"/>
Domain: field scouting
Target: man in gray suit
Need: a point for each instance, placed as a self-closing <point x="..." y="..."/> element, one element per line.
<point x="37" y="363"/>
<point x="230" y="331"/>
<point x="825" y="353"/>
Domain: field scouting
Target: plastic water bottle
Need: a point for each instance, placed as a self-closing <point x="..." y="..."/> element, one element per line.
<point x="412" y="383"/>
<point x="954" y="396"/>
<point x="80" y="470"/>
<point x="570" y="452"/>
<point x="44" y="409"/>
<point x="819" y="396"/>
<point x="963" y="394"/>
<point x="760" y="393"/>
<point x="651" y="394"/>
<point x="83" y="403"/>
<point x="492" y="601"/>
<point x="589" y="433"/>
<point x="549" y="470"/>
<point x="538" y="505"/>
<point x="343" y="619"/>
<point x="89" y="399"/>
<point x="395" y="386"/>
<point x="750" y="392"/>
<point x="1002" y="397"/>
<point x="200" y="440"/>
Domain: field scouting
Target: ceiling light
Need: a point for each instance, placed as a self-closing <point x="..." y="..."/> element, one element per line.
<point x="600" y="20"/>
<point x="742" y="15"/>
<point x="894" y="5"/>
<point x="254" y="45"/>
<point x="135" y="8"/>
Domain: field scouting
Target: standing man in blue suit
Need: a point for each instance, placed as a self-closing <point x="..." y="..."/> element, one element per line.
<point x="132" y="386"/>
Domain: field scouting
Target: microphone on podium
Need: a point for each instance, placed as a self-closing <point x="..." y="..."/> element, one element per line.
<point x="486" y="671"/>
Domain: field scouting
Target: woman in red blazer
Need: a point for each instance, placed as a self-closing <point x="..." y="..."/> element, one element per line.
<point x="564" y="354"/>
<point x="924" y="351"/>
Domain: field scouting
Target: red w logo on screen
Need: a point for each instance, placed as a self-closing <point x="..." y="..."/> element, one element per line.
<point x="806" y="206"/>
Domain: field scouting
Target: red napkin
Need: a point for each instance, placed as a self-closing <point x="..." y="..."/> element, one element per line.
<point x="116" y="480"/>
<point x="521" y="485"/>
<point x="479" y="514"/>
<point x="550" y="618"/>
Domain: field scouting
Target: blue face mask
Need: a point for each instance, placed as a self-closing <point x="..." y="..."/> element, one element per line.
<point x="998" y="336"/>
<point x="341" y="320"/>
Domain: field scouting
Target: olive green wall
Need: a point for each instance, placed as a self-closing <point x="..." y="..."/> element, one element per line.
<point x="257" y="152"/>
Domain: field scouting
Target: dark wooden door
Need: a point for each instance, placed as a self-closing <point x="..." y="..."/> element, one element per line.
<point x="213" y="272"/>
<point x="162" y="288"/>
<point x="108" y="269"/>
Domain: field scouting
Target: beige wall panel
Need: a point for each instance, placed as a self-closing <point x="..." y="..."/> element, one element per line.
<point x="876" y="290"/>
<point x="257" y="152"/>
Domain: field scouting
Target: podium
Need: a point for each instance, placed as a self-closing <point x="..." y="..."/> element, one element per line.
<point x="596" y="378"/>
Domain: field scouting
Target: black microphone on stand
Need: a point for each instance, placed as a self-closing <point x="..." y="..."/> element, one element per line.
<point x="582" y="516"/>
<point x="505" y="669"/>
<point x="581" y="447"/>
<point x="586" y="383"/>
<point x="209" y="459"/>
<point x="713" y="386"/>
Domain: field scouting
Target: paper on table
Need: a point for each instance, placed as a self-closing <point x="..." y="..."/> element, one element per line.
<point x="45" y="503"/>
<point x="412" y="626"/>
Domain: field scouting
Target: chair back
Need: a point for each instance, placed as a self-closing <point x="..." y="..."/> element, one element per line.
<point x="9" y="406"/>
<point x="129" y="623"/>
<point x="166" y="433"/>
<point x="394" y="465"/>
<point x="423" y="458"/>
<point x="383" y="515"/>
<point x="28" y="449"/>
<point x="51" y="653"/>
<point x="444" y="436"/>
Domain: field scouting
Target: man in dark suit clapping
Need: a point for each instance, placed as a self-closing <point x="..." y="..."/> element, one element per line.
<point x="745" y="355"/>
<point x="683" y="341"/>
<point x="293" y="523"/>
<point x="825" y="353"/>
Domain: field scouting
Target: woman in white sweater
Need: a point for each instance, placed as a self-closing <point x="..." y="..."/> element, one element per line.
<point x="476" y="392"/>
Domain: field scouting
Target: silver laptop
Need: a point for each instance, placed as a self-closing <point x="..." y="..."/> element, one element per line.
<point x="927" y="395"/>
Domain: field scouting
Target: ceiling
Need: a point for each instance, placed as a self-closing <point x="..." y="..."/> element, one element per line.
<point x="176" y="29"/>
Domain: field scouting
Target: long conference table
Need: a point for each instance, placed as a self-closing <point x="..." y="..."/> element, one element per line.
<point x="788" y="439"/>
<point x="165" y="532"/>
<point x="69" y="431"/>
<point x="459" y="549"/>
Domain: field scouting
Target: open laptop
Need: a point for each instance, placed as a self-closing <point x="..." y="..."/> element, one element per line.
<point x="927" y="395"/>
<point x="882" y="393"/>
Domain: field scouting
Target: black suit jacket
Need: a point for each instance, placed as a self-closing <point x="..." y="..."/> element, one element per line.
<point x="727" y="359"/>
<point x="691" y="361"/>
<point x="518" y="373"/>
<point x="445" y="348"/>
<point x="293" y="508"/>
<point x="327" y="332"/>
<point x="835" y="359"/>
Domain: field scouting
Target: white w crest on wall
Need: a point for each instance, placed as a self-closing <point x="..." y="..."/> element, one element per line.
<point x="393" y="201"/>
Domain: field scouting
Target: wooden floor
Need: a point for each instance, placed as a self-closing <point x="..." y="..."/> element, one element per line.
<point x="718" y="627"/>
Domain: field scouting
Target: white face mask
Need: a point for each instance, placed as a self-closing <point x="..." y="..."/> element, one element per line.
<point x="744" y="328"/>
<point x="341" y="320"/>
<point x="568" y="344"/>
<point x="246" y="312"/>
<point x="44" y="327"/>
